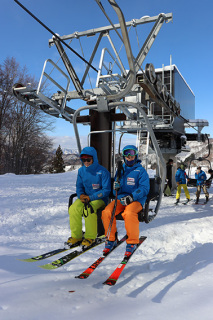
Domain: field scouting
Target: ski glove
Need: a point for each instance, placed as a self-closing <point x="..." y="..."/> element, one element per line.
<point x="116" y="185"/>
<point x="126" y="200"/>
<point x="84" y="198"/>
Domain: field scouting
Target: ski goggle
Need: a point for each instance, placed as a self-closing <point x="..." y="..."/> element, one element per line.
<point x="86" y="159"/>
<point x="129" y="152"/>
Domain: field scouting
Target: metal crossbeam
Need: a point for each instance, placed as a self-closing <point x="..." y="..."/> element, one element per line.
<point x="93" y="32"/>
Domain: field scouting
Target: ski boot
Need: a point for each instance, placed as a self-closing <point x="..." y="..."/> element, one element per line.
<point x="197" y="200"/>
<point x="177" y="201"/>
<point x="87" y="242"/>
<point x="207" y="199"/>
<point x="72" y="241"/>
<point x="109" y="245"/>
<point x="130" y="248"/>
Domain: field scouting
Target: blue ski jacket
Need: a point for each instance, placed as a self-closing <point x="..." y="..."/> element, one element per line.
<point x="95" y="180"/>
<point x="201" y="177"/>
<point x="181" y="176"/>
<point x="134" y="180"/>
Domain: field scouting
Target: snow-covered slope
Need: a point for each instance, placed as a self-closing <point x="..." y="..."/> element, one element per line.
<point x="170" y="276"/>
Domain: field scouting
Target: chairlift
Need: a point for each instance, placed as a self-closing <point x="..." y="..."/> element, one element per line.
<point x="107" y="94"/>
<point x="156" y="183"/>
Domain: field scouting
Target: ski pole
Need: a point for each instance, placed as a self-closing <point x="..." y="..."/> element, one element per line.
<point x="112" y="216"/>
<point x="120" y="168"/>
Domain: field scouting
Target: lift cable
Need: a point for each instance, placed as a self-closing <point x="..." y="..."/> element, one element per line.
<point x="54" y="34"/>
<point x="104" y="12"/>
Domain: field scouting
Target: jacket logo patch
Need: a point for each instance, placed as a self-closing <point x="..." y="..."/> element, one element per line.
<point x="130" y="181"/>
<point x="95" y="185"/>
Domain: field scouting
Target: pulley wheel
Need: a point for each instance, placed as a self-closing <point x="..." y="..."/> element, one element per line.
<point x="159" y="85"/>
<point x="150" y="72"/>
<point x="165" y="93"/>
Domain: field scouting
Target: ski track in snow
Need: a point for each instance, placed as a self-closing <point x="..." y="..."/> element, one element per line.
<point x="169" y="277"/>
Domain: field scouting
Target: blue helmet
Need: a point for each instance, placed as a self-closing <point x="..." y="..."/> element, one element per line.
<point x="130" y="150"/>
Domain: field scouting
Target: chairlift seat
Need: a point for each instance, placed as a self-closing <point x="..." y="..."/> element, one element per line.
<point x="153" y="195"/>
<point x="143" y="215"/>
<point x="193" y="183"/>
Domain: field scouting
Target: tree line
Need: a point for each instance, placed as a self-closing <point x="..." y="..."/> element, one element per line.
<point x="24" y="144"/>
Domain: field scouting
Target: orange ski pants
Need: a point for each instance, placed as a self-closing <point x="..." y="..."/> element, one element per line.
<point x="130" y="216"/>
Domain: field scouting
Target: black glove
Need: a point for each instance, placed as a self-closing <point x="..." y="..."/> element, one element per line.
<point x="126" y="200"/>
<point x="116" y="185"/>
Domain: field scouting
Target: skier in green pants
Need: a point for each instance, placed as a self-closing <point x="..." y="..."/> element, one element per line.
<point x="93" y="187"/>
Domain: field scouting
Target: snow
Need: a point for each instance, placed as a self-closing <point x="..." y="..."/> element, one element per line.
<point x="170" y="276"/>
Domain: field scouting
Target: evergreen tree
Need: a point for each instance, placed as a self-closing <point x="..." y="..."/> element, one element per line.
<point x="58" y="162"/>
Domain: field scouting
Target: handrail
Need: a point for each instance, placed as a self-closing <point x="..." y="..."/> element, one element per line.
<point x="75" y="127"/>
<point x="53" y="81"/>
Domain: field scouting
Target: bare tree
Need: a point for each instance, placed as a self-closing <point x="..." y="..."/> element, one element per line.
<point x="24" y="145"/>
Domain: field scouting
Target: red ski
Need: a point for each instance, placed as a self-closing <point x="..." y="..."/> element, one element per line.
<point x="111" y="281"/>
<point x="90" y="270"/>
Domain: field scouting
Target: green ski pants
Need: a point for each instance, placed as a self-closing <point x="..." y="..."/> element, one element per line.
<point x="76" y="211"/>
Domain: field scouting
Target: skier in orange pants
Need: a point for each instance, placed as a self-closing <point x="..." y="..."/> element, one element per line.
<point x="130" y="216"/>
<point x="132" y="190"/>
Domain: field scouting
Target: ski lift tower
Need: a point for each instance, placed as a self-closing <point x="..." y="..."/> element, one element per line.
<point x="126" y="98"/>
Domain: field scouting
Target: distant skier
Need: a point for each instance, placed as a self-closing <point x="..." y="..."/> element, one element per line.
<point x="168" y="187"/>
<point x="93" y="187"/>
<point x="132" y="190"/>
<point x="180" y="178"/>
<point x="201" y="183"/>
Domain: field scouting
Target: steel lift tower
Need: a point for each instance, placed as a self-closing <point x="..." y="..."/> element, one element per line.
<point x="125" y="99"/>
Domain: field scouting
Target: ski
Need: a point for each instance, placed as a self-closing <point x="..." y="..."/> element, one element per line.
<point x="186" y="202"/>
<point x="203" y="202"/>
<point x="111" y="281"/>
<point x="50" y="253"/>
<point x="72" y="255"/>
<point x="89" y="271"/>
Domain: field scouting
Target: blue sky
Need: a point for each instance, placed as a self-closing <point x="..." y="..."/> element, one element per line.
<point x="188" y="39"/>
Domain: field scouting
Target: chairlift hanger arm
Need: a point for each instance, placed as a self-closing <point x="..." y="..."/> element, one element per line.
<point x="132" y="74"/>
<point x="104" y="12"/>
